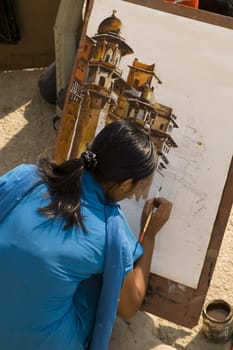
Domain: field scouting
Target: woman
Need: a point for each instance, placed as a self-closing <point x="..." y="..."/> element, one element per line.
<point x="55" y="241"/>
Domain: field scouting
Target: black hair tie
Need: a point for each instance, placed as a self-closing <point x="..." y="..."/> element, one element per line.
<point x="89" y="160"/>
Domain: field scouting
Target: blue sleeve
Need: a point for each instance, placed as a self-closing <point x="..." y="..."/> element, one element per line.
<point x="132" y="248"/>
<point x="14" y="185"/>
<point x="8" y="176"/>
<point x="14" y="174"/>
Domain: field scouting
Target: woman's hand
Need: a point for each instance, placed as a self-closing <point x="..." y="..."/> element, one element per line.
<point x="161" y="209"/>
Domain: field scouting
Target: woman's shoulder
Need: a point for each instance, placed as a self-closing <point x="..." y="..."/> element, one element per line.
<point x="18" y="172"/>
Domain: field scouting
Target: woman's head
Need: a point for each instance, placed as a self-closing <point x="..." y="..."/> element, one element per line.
<point x="123" y="151"/>
<point x="120" y="157"/>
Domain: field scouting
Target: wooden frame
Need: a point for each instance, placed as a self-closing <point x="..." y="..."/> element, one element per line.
<point x="166" y="298"/>
<point x="185" y="11"/>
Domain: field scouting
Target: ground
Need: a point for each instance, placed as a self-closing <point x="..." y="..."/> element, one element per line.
<point x="26" y="132"/>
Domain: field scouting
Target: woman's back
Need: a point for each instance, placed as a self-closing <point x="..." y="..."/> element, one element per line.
<point x="43" y="265"/>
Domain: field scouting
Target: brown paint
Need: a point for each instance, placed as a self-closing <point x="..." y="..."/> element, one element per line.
<point x="218" y="313"/>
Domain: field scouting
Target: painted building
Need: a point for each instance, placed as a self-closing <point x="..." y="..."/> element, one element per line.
<point x="102" y="95"/>
<point x="96" y="91"/>
<point x="138" y="104"/>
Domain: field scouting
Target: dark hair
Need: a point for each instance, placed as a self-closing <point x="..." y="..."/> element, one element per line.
<point x="123" y="151"/>
<point x="119" y="152"/>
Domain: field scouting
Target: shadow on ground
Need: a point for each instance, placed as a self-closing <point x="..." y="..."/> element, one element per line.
<point x="137" y="333"/>
<point x="205" y="344"/>
<point x="26" y="128"/>
<point x="145" y="332"/>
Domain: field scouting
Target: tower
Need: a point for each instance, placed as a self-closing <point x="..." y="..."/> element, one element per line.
<point x="96" y="90"/>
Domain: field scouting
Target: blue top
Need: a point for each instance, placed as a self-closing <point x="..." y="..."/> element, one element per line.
<point x="42" y="266"/>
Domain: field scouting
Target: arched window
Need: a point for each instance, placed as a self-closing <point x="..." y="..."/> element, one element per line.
<point x="140" y="114"/>
<point x="132" y="113"/>
<point x="161" y="126"/>
<point x="117" y="57"/>
<point x="108" y="55"/>
<point x="160" y="167"/>
<point x="136" y="82"/>
<point x="102" y="81"/>
<point x="170" y="128"/>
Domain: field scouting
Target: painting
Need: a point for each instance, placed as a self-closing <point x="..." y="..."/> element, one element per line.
<point x="173" y="77"/>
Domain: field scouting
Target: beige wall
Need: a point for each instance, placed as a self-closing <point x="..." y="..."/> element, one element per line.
<point x="35" y="21"/>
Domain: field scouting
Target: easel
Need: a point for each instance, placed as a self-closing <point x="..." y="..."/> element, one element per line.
<point x="182" y="305"/>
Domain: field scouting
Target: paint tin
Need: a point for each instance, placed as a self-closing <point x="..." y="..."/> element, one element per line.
<point x="218" y="321"/>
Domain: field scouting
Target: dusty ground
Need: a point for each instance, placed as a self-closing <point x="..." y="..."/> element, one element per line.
<point x="25" y="132"/>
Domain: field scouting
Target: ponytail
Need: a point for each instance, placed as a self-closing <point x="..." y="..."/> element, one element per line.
<point x="64" y="182"/>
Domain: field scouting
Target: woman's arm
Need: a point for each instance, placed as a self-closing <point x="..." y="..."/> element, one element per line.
<point x="135" y="283"/>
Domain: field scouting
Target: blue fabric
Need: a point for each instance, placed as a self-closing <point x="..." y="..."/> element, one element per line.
<point x="45" y="299"/>
<point x="15" y="185"/>
<point x="114" y="270"/>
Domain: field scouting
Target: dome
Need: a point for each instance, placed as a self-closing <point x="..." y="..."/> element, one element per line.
<point x="110" y="24"/>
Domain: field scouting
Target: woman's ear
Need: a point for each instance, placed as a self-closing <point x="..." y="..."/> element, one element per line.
<point x="118" y="191"/>
<point x="126" y="186"/>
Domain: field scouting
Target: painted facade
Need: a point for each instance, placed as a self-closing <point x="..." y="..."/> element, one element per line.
<point x="104" y="96"/>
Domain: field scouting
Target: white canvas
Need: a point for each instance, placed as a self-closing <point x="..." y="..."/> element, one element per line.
<point x="194" y="62"/>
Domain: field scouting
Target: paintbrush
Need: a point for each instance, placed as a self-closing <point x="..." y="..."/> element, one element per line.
<point x="156" y="205"/>
<point x="142" y="234"/>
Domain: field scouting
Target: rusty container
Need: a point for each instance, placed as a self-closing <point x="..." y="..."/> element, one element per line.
<point x="218" y="321"/>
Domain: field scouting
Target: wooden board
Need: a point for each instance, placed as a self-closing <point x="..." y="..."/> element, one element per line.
<point x="166" y="298"/>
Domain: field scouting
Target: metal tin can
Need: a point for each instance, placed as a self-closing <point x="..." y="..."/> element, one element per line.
<point x="217" y="321"/>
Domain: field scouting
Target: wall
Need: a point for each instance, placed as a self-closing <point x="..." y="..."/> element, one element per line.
<point x="35" y="20"/>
